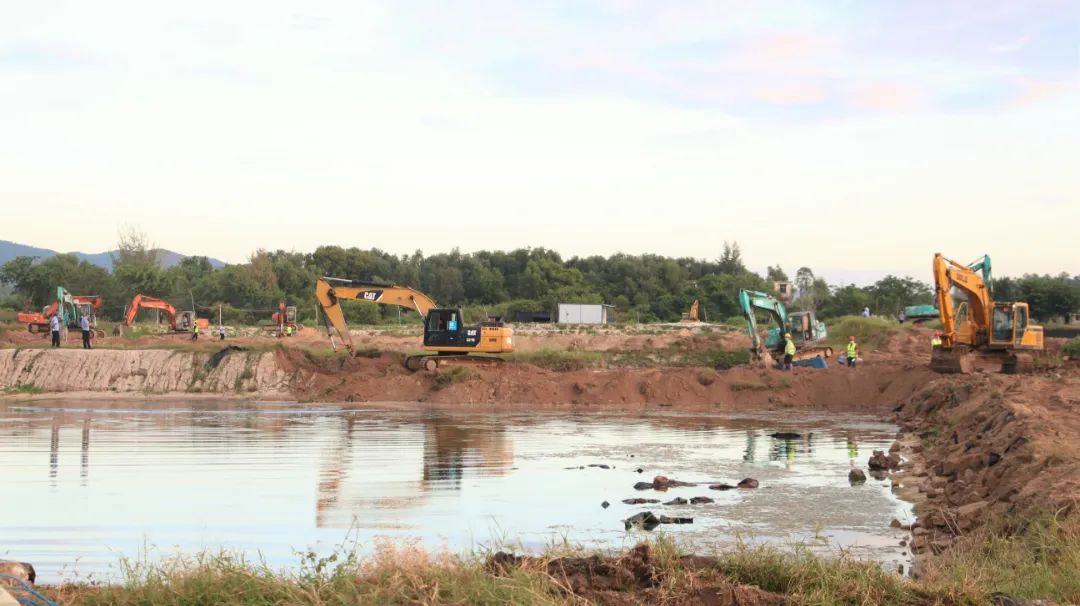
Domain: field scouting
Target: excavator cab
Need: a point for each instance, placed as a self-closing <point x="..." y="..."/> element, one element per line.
<point x="1010" y="327"/>
<point x="446" y="328"/>
<point x="184" y="320"/>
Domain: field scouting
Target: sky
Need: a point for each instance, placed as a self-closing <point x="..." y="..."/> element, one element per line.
<point x="853" y="137"/>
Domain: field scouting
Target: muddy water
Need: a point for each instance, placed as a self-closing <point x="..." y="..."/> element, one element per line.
<point x="87" y="482"/>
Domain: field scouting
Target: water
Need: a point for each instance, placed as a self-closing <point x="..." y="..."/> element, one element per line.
<point x="84" y="483"/>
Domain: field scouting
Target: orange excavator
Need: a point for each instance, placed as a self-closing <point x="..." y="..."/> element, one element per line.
<point x="71" y="309"/>
<point x="178" y="321"/>
<point x="692" y="316"/>
<point x="284" y="319"/>
<point x="446" y="337"/>
<point x="974" y="325"/>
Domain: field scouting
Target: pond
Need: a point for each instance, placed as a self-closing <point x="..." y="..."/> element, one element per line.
<point x="86" y="483"/>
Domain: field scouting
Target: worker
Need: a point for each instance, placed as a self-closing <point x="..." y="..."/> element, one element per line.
<point x="936" y="341"/>
<point x="84" y="324"/>
<point x="54" y="327"/>
<point x="852" y="351"/>
<point x="194" y="331"/>
<point x="789" y="350"/>
<point x="288" y="330"/>
<point x="221" y="331"/>
<point x="866" y="312"/>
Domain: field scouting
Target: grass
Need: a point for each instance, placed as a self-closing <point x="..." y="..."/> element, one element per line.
<point x="869" y="333"/>
<point x="1036" y="557"/>
<point x="23" y="389"/>
<point x="558" y="359"/>
<point x="403" y="573"/>
<point x="456" y="374"/>
<point x="1072" y="349"/>
<point x="569" y="360"/>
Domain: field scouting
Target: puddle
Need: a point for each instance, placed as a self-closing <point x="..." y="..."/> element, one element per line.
<point x="85" y="483"/>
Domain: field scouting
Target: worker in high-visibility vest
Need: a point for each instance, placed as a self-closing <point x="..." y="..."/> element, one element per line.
<point x="936" y="341"/>
<point x="194" y="331"/>
<point x="852" y="351"/>
<point x="288" y="330"/>
<point x="789" y="350"/>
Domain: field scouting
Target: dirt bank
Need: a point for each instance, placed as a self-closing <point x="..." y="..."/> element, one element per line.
<point x="990" y="446"/>
<point x="141" y="372"/>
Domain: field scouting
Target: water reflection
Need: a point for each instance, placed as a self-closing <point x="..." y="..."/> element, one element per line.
<point x="275" y="478"/>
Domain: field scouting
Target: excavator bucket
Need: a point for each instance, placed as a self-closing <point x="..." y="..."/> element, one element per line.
<point x="951" y="361"/>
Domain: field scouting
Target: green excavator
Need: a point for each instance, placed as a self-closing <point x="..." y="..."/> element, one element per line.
<point x="806" y="330"/>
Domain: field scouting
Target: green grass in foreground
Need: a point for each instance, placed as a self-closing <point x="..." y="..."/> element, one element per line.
<point x="1040" y="560"/>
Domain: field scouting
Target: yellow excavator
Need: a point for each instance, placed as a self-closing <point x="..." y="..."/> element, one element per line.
<point x="445" y="335"/>
<point x="974" y="325"/>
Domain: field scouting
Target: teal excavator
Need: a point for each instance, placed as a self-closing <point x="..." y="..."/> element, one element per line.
<point x="806" y="330"/>
<point x="922" y="313"/>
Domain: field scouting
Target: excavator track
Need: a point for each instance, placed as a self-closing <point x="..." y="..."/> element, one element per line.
<point x="432" y="363"/>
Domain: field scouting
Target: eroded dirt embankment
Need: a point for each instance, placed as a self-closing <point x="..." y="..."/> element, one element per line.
<point x="302" y="375"/>
<point x="991" y="446"/>
<point x="141" y="372"/>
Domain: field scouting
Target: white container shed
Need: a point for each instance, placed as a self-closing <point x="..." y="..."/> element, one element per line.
<point x="584" y="313"/>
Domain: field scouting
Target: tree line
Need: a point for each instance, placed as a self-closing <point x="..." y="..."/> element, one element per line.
<point x="643" y="288"/>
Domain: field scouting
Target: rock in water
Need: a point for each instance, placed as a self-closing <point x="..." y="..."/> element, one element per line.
<point x="643" y="486"/>
<point x="644" y="520"/>
<point x="748" y="483"/>
<point x="605" y="504"/>
<point x="786" y="435"/>
<point x="639" y="501"/>
<point x="676" y="501"/>
<point x="721" y="487"/>
<point x="856" y="476"/>
<point x="700" y="500"/>
<point x="878" y="461"/>
<point x="667" y="520"/>
<point x="21" y="570"/>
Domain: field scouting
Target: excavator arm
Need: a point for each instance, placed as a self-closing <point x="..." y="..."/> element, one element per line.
<point x="144" y="302"/>
<point x="749" y="302"/>
<point x="330" y="291"/>
<point x="949" y="274"/>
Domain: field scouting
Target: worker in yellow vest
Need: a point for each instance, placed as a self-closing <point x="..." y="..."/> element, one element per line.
<point x="789" y="350"/>
<point x="852" y="351"/>
<point x="194" y="331"/>
<point x="936" y="341"/>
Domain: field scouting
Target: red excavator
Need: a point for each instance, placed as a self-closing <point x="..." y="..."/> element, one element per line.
<point x="71" y="309"/>
<point x="283" y="319"/>
<point x="178" y="321"/>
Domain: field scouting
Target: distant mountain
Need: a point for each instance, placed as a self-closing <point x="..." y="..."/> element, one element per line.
<point x="10" y="250"/>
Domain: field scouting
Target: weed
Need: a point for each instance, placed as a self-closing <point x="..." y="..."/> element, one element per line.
<point x="456" y="374"/>
<point x="23" y="389"/>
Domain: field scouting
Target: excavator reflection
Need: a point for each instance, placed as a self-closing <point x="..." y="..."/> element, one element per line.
<point x="355" y="482"/>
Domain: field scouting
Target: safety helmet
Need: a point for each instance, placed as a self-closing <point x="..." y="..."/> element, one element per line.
<point x="787" y="335"/>
<point x="851" y="338"/>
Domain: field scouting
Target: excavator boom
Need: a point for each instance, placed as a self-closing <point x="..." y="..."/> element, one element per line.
<point x="804" y="326"/>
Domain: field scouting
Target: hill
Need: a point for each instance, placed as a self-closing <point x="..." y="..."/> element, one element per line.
<point x="9" y="250"/>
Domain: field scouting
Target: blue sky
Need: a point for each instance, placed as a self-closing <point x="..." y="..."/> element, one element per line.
<point x="857" y="138"/>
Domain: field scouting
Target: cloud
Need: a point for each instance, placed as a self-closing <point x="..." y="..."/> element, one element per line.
<point x="888" y="97"/>
<point x="1034" y="92"/>
<point x="795" y="94"/>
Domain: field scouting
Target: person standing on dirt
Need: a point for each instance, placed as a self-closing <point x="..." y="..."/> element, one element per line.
<point x="288" y="330"/>
<point x="194" y="331"/>
<point x="84" y="324"/>
<point x="789" y="350"/>
<point x="852" y="351"/>
<point x="936" y="341"/>
<point x="221" y="331"/>
<point x="54" y="327"/>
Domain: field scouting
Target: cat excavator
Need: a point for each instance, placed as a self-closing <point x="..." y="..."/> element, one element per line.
<point x="691" y="317"/>
<point x="446" y="338"/>
<point x="178" y="321"/>
<point x="975" y="326"/>
<point x="805" y="329"/>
